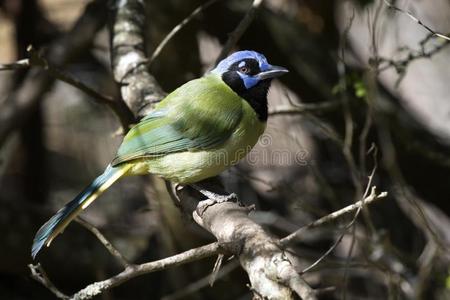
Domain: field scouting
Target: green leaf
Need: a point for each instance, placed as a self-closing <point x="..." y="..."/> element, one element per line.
<point x="360" y="89"/>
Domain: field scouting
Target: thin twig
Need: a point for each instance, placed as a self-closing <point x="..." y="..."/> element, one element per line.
<point x="349" y="225"/>
<point x="177" y="28"/>
<point x="38" y="274"/>
<point x="239" y="31"/>
<point x="401" y="64"/>
<point x="133" y="271"/>
<point x="415" y="19"/>
<point x="122" y="111"/>
<point x="37" y="60"/>
<point x="114" y="252"/>
<point x="20" y="104"/>
<point x="20" y="64"/>
<point x="216" y="269"/>
<point x="332" y="217"/>
<point x="303" y="108"/>
<point x="201" y="283"/>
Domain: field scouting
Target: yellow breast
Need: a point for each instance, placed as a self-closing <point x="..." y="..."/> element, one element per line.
<point x="193" y="166"/>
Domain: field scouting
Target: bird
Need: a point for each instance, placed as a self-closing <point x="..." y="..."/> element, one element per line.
<point x="197" y="131"/>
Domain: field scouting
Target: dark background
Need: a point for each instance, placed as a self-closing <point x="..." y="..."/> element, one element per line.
<point x="364" y="76"/>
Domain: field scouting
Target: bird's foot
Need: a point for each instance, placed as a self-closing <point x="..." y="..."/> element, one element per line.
<point x="213" y="198"/>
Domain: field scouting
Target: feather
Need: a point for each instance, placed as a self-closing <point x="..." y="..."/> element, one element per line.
<point x="200" y="115"/>
<point x="65" y="215"/>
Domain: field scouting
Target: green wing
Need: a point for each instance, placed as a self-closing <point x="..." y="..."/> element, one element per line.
<point x="200" y="114"/>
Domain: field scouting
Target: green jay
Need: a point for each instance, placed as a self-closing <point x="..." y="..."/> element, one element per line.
<point x="195" y="132"/>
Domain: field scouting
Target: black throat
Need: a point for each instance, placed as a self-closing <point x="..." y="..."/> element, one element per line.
<point x="255" y="96"/>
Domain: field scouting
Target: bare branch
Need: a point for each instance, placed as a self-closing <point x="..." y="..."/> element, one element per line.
<point x="38" y="274"/>
<point x="37" y="60"/>
<point x="338" y="241"/>
<point x="177" y="28"/>
<point x="216" y="269"/>
<point x="258" y="252"/>
<point x="303" y="108"/>
<point x="122" y="111"/>
<point x="20" y="64"/>
<point x="132" y="271"/>
<point x="400" y="65"/>
<point x="239" y="31"/>
<point x="271" y="273"/>
<point x="332" y="217"/>
<point x="139" y="88"/>
<point x="415" y="19"/>
<point x="201" y="283"/>
<point x="19" y="105"/>
<point x="112" y="250"/>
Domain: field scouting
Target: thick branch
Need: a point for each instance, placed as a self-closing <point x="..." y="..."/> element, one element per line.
<point x="139" y="88"/>
<point x="271" y="273"/>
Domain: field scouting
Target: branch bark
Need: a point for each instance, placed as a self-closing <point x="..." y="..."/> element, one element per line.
<point x="138" y="87"/>
<point x="271" y="274"/>
<point x="132" y="271"/>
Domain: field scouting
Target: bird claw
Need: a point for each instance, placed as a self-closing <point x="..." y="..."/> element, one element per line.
<point x="213" y="198"/>
<point x="217" y="198"/>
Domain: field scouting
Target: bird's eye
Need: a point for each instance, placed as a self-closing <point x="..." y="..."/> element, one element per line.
<point x="244" y="70"/>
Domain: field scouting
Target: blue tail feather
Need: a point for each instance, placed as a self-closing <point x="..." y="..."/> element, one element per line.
<point x="62" y="218"/>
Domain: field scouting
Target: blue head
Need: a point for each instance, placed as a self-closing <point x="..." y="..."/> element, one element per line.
<point x="249" y="66"/>
<point x="249" y="74"/>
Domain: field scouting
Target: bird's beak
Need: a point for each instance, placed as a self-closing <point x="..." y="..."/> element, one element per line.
<point x="272" y="72"/>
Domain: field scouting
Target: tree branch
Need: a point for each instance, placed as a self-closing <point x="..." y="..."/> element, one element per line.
<point x="256" y="251"/>
<point x="332" y="217"/>
<point x="138" y="87"/>
<point x="118" y="107"/>
<point x="19" y="105"/>
<point x="38" y="274"/>
<point x="400" y="65"/>
<point x="177" y="28"/>
<point x="271" y="273"/>
<point x="239" y="31"/>
<point x="303" y="108"/>
<point x="132" y="271"/>
<point x="18" y="65"/>
<point x="107" y="244"/>
<point x="415" y="19"/>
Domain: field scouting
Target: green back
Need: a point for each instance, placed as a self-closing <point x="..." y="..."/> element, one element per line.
<point x="199" y="115"/>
